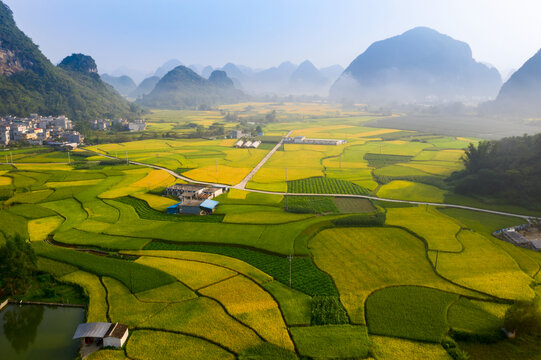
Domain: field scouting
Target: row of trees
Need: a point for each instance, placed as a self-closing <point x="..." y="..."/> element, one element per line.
<point x="17" y="264"/>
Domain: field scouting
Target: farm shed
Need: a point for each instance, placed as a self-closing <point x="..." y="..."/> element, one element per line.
<point x="213" y="192"/>
<point x="208" y="206"/>
<point x="185" y="190"/>
<point x="173" y="209"/>
<point x="109" y="334"/>
<point x="190" y="207"/>
<point x="247" y="144"/>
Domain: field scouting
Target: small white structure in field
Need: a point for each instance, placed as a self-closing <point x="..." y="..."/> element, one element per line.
<point x="114" y="335"/>
<point x="239" y="143"/>
<point x="247" y="144"/>
<point x="256" y="144"/>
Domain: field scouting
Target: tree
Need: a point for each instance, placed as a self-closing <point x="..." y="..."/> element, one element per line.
<point x="17" y="263"/>
<point x="271" y="117"/>
<point x="524" y="317"/>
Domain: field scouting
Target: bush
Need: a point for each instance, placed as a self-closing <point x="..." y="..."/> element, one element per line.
<point x="328" y="310"/>
<point x="524" y="317"/>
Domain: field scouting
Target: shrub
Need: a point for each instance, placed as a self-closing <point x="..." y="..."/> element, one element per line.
<point x="328" y="310"/>
<point x="524" y="317"/>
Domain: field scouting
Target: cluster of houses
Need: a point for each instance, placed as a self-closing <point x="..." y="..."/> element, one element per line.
<point x="39" y="130"/>
<point x="526" y="236"/>
<point x="304" y="140"/>
<point x="194" y="199"/>
<point x="104" y="124"/>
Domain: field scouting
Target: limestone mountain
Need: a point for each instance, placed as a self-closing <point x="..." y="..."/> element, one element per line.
<point x="145" y="87"/>
<point x="30" y="83"/>
<point x="418" y="65"/>
<point x="521" y="94"/>
<point x="307" y="79"/>
<point x="182" y="88"/>
<point x="123" y="84"/>
<point x="166" y="67"/>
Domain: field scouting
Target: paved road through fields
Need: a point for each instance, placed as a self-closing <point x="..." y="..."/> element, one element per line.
<point x="242" y="185"/>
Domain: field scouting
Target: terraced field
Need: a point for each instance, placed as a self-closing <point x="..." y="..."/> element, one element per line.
<point x="267" y="276"/>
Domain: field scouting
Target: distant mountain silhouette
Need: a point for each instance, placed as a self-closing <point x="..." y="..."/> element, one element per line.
<point x="145" y="87"/>
<point x="30" y="83"/>
<point x="419" y="65"/>
<point x="307" y="79"/>
<point x="332" y="72"/>
<point x="521" y="94"/>
<point x="182" y="88"/>
<point x="207" y="70"/>
<point x="166" y="67"/>
<point x="123" y="84"/>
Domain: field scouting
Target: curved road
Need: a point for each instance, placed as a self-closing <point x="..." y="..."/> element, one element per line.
<point x="252" y="173"/>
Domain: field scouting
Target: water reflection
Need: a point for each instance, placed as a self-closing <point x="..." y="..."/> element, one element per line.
<point x="21" y="325"/>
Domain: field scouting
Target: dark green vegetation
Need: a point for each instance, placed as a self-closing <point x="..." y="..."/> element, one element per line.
<point x="506" y="170"/>
<point x="134" y="276"/>
<point x="324" y="185"/>
<point x="524" y="317"/>
<point x="353" y="205"/>
<point x="146" y="212"/>
<point x="17" y="264"/>
<point x="310" y="205"/>
<point x="328" y="310"/>
<point x="306" y="277"/>
<point x="182" y="88"/>
<point x="30" y="83"/>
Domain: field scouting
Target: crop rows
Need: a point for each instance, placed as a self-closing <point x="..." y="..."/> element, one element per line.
<point x="324" y="185"/>
<point x="306" y="277"/>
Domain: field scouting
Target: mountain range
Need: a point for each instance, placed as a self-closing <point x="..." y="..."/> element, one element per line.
<point x="417" y="66"/>
<point x="30" y="83"/>
<point x="182" y="88"/>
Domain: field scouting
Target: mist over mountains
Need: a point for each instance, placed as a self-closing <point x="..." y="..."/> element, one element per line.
<point x="418" y="65"/>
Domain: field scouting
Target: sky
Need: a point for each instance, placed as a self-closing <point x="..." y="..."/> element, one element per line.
<point x="142" y="34"/>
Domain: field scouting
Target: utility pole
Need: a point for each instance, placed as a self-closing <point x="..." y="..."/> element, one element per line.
<point x="69" y="159"/>
<point x="290" y="258"/>
<point x="6" y="158"/>
<point x="127" y="161"/>
<point x="340" y="161"/>
<point x="216" y="166"/>
<point x="286" y="193"/>
<point x="11" y="155"/>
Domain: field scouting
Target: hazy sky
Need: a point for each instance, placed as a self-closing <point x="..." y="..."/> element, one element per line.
<point x="142" y="34"/>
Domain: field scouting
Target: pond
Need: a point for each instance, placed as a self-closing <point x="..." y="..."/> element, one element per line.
<point x="39" y="332"/>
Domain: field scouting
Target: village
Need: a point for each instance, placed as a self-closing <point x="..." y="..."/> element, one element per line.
<point x="55" y="130"/>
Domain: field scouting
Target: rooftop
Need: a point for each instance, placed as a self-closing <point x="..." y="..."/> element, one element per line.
<point x="209" y="204"/>
<point x="93" y="330"/>
<point x="191" y="203"/>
